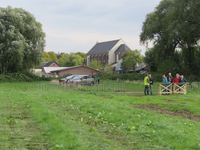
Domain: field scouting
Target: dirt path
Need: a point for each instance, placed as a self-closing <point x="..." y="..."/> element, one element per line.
<point x="180" y="113"/>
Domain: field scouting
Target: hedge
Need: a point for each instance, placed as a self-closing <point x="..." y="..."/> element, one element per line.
<point x="135" y="76"/>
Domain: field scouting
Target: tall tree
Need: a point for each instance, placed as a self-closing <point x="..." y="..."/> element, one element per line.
<point x="64" y="60"/>
<point x="71" y="59"/>
<point x="174" y="26"/>
<point x="83" y="55"/>
<point x="46" y="57"/>
<point x="76" y="60"/>
<point x="22" y="40"/>
<point x="53" y="56"/>
<point x="151" y="58"/>
<point x="131" y="59"/>
<point x="95" y="64"/>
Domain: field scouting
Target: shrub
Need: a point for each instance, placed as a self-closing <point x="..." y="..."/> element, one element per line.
<point x="25" y="76"/>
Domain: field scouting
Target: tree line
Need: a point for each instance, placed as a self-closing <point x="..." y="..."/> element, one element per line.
<point x="64" y="59"/>
<point x="173" y="28"/>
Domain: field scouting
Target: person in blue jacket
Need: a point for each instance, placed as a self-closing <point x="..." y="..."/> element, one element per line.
<point x="164" y="80"/>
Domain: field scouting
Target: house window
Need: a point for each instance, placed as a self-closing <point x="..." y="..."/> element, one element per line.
<point x="53" y="64"/>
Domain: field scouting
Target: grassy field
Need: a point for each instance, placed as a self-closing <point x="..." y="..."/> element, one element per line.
<point x="110" y="86"/>
<point x="35" y="119"/>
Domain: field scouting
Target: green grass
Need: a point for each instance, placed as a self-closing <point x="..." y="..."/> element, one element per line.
<point x="32" y="119"/>
<point x="111" y="86"/>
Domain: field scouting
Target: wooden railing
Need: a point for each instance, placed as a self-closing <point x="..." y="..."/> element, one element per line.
<point x="172" y="88"/>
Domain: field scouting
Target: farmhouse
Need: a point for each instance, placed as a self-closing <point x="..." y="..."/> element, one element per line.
<point x="77" y="70"/>
<point x="52" y="68"/>
<point x="107" y="52"/>
<point x="51" y="65"/>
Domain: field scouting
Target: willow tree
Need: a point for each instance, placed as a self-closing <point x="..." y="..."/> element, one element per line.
<point x="174" y="26"/>
<point x="22" y="40"/>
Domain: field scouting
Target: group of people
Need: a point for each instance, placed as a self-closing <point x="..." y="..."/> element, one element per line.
<point x="97" y="80"/>
<point x="148" y="81"/>
<point x="178" y="79"/>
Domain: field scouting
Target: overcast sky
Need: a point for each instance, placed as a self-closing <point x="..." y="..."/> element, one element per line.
<point x="76" y="25"/>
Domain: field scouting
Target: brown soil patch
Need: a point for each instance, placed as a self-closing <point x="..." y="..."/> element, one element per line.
<point x="180" y="113"/>
<point x="170" y="101"/>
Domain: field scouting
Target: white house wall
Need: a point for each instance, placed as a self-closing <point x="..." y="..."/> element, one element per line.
<point x="36" y="71"/>
<point x="111" y="57"/>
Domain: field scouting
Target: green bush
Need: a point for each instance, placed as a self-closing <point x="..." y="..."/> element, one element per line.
<point x="22" y="77"/>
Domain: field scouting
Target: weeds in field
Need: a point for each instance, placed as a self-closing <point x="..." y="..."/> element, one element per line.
<point x="58" y="120"/>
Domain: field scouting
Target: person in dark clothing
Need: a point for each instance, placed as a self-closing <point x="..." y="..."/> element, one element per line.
<point x="151" y="84"/>
<point x="170" y="78"/>
<point x="98" y="81"/>
<point x="182" y="79"/>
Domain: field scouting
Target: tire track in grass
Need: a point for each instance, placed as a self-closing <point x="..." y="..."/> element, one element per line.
<point x="17" y="128"/>
<point x="57" y="134"/>
<point x="159" y="133"/>
<point x="63" y="132"/>
<point x="104" y="133"/>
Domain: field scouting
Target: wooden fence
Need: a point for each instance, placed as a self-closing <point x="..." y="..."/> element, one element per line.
<point x="172" y="88"/>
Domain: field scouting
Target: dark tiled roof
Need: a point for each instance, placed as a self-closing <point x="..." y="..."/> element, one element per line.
<point x="102" y="47"/>
<point x="49" y="63"/>
<point x="122" y="48"/>
<point x="42" y="64"/>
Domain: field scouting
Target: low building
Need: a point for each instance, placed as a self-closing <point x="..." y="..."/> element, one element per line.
<point x="141" y="68"/>
<point x="118" y="69"/>
<point x="37" y="72"/>
<point x="47" y="71"/>
<point x="51" y="65"/>
<point x="77" y="70"/>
